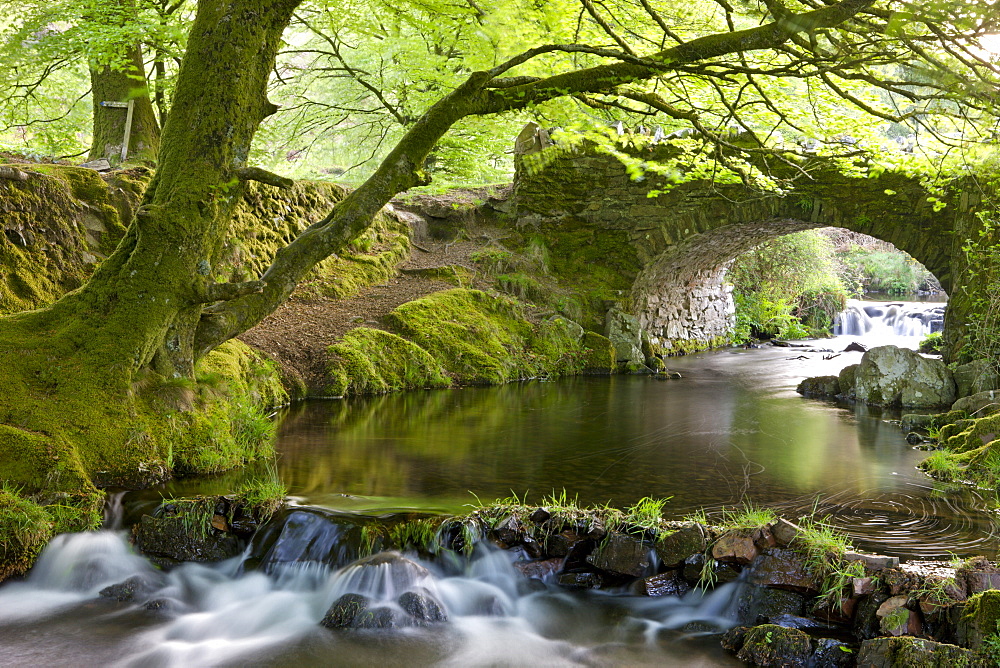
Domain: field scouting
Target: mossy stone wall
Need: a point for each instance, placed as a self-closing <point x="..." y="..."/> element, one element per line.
<point x="680" y="243"/>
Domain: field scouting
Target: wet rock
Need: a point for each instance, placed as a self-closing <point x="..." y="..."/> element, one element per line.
<point x="798" y="622"/>
<point x="344" y="611"/>
<point x="664" y="584"/>
<point x="785" y="532"/>
<point x="862" y="586"/>
<point x="674" y="548"/>
<point x="597" y="530"/>
<point x="912" y="421"/>
<point x="978" y="575"/>
<point x="539" y="569"/>
<point x="866" y="623"/>
<point x="782" y="568"/>
<point x="895" y="619"/>
<point x="301" y="534"/>
<point x="694" y="568"/>
<point x="978" y="619"/>
<point x="735" y="547"/>
<point x="623" y="555"/>
<point x="158" y="604"/>
<point x="539" y="515"/>
<point x="819" y="386"/>
<point x="532" y="547"/>
<point x="847" y="378"/>
<point x="891" y="376"/>
<point x="855" y="347"/>
<point x="510" y="530"/>
<point x="980" y="404"/>
<point x="832" y="653"/>
<point x="913" y="438"/>
<point x="168" y="541"/>
<point x="134" y="588"/>
<point x="909" y="652"/>
<point x="562" y="543"/>
<point x="771" y="645"/>
<point x="733" y="639"/>
<point x="581" y="580"/>
<point x="394" y="571"/>
<point x="978" y="376"/>
<point x="875" y="562"/>
<point x="421" y="605"/>
<point x="762" y="605"/>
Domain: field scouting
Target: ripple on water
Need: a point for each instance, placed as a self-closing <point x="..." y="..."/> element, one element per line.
<point x="920" y="522"/>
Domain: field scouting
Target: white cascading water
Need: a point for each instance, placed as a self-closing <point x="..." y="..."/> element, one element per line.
<point x="885" y="322"/>
<point x="210" y="615"/>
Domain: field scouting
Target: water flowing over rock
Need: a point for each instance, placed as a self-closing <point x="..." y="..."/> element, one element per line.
<point x="891" y="376"/>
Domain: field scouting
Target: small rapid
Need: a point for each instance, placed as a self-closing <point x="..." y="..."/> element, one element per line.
<point x="223" y="614"/>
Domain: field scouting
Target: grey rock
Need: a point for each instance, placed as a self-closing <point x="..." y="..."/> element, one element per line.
<point x="891" y="376"/>
<point x="626" y="335"/>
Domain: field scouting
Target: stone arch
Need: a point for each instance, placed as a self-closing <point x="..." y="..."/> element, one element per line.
<point x="684" y="239"/>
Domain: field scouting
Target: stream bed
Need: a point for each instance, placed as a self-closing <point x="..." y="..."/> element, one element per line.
<point x="732" y="429"/>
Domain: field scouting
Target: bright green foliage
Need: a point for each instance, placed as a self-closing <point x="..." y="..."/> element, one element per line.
<point x="932" y="344"/>
<point x="786" y="287"/>
<point x="48" y="49"/>
<point x="885" y="271"/>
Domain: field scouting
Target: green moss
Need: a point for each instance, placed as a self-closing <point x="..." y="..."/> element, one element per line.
<point x="600" y="354"/>
<point x="675" y="347"/>
<point x="372" y="361"/>
<point x="227" y="423"/>
<point x="973" y="434"/>
<point x="979" y="620"/>
<point x="522" y="286"/>
<point x="268" y="218"/>
<point x="24" y="529"/>
<point x="478" y="339"/>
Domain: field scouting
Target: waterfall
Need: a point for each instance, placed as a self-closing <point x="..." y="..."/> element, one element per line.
<point x="889" y="319"/>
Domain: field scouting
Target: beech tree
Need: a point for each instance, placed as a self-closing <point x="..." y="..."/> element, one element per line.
<point x="74" y="407"/>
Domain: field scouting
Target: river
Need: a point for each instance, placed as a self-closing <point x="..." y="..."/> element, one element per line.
<point x="731" y="429"/>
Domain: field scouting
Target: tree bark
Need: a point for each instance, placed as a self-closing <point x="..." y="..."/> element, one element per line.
<point x="123" y="84"/>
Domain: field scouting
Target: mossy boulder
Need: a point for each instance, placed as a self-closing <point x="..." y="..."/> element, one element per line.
<point x="481" y="339"/>
<point x="771" y="645"/>
<point x="980" y="404"/>
<point x="57" y="225"/>
<point x="599" y="354"/>
<point x="25" y="528"/>
<point x="910" y="652"/>
<point x="846" y="379"/>
<point x="975" y="377"/>
<point x="819" y="386"/>
<point x="979" y="619"/>
<point x="373" y="361"/>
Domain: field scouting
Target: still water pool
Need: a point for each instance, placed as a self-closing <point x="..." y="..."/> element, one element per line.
<point x="731" y="430"/>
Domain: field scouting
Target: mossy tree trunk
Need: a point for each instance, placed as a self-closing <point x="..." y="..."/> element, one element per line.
<point x="76" y="374"/>
<point x="122" y="82"/>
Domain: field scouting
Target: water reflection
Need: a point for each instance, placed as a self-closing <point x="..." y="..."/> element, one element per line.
<point x="732" y="428"/>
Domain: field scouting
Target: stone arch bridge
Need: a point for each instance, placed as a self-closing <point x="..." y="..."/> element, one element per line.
<point x="684" y="240"/>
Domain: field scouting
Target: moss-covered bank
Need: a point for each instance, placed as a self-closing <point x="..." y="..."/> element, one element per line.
<point x="457" y="337"/>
